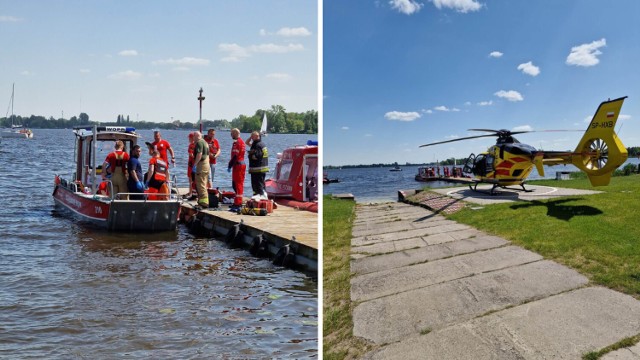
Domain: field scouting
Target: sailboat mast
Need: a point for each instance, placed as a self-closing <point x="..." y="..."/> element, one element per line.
<point x="13" y="91"/>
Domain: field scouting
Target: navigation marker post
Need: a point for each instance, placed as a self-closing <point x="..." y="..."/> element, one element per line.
<point x="200" y="98"/>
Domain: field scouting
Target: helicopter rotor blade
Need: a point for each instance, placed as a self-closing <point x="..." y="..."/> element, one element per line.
<point x="458" y="139"/>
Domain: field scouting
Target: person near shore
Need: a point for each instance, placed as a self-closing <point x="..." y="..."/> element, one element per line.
<point x="157" y="175"/>
<point x="214" y="152"/>
<point x="237" y="167"/>
<point x="258" y="164"/>
<point x="135" y="182"/>
<point x="190" y="174"/>
<point x="116" y="165"/>
<point x="201" y="168"/>
<point x="163" y="147"/>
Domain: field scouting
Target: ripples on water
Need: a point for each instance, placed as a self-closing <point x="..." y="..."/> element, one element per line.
<point x="71" y="291"/>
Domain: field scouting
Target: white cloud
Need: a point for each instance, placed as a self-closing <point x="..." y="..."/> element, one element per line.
<point x="495" y="54"/>
<point x="279" y="76"/>
<point x="463" y="6"/>
<point x="510" y="95"/>
<point x="27" y="73"/>
<point x="406" y="7"/>
<point x="288" y="32"/>
<point x="6" y="18"/>
<point x="586" y="54"/>
<point x="185" y="61"/>
<point x="263" y="32"/>
<point x="522" y="128"/>
<point x="451" y="137"/>
<point x="237" y="53"/>
<point x="485" y="103"/>
<point x="427" y="111"/>
<point x="624" y="117"/>
<point x="446" y="109"/>
<point x="128" y="53"/>
<point x="126" y="75"/>
<point x="181" y="68"/>
<point x="85" y="71"/>
<point x="275" y="49"/>
<point x="345" y="128"/>
<point x="368" y="135"/>
<point x="529" y="69"/>
<point x="401" y="116"/>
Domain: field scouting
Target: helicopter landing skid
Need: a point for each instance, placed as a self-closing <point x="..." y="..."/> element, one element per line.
<point x="492" y="192"/>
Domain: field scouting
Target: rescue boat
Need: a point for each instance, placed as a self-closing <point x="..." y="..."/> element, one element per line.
<point x="295" y="181"/>
<point x="80" y="195"/>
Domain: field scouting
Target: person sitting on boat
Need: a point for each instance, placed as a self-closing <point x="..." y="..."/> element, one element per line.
<point x="135" y="182"/>
<point x="157" y="177"/>
<point x="214" y="152"/>
<point x="117" y="167"/>
<point x="238" y="166"/>
<point x="258" y="164"/>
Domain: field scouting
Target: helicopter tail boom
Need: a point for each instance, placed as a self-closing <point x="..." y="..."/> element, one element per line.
<point x="600" y="151"/>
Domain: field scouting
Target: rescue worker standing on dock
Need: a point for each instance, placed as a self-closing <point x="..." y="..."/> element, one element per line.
<point x="163" y="146"/>
<point x="201" y="168"/>
<point x="238" y="166"/>
<point x="258" y="164"/>
<point x="214" y="152"/>
<point x="117" y="161"/>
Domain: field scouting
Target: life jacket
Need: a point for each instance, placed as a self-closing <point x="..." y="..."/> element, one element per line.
<point x="119" y="159"/>
<point x="213" y="149"/>
<point x="190" y="150"/>
<point x="160" y="170"/>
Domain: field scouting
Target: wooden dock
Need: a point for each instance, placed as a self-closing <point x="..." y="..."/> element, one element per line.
<point x="278" y="228"/>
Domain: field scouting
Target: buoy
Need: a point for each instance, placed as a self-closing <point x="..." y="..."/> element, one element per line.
<point x="285" y="256"/>
<point x="259" y="246"/>
<point x="232" y="233"/>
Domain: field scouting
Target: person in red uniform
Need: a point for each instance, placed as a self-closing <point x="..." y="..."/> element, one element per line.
<point x="163" y="146"/>
<point x="117" y="167"/>
<point x="214" y="152"/>
<point x="238" y="166"/>
<point x="192" y="182"/>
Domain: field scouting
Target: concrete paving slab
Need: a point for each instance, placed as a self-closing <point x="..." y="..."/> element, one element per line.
<point x="446" y="247"/>
<point x="630" y="353"/>
<point x="398" y="226"/>
<point x="563" y="326"/>
<point x="388" y="247"/>
<point x="393" y="281"/>
<point x="394" y="318"/>
<point x="407" y="233"/>
<point x="538" y="192"/>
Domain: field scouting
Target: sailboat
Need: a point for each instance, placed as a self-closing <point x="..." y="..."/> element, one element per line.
<point x="263" y="128"/>
<point x="16" y="131"/>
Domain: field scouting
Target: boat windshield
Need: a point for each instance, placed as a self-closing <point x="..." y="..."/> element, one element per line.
<point x="285" y="169"/>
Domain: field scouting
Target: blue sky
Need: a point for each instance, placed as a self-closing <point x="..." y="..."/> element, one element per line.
<point x="401" y="73"/>
<point x="148" y="58"/>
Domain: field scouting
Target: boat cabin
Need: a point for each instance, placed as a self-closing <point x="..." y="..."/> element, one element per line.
<point x="93" y="144"/>
<point x="296" y="174"/>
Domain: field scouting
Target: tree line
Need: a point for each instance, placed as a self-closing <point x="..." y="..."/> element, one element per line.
<point x="278" y="120"/>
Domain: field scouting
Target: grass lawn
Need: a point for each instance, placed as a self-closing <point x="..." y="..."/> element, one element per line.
<point x="598" y="235"/>
<point x="339" y="342"/>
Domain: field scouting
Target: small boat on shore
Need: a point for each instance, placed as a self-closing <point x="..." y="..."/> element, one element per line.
<point x="295" y="181"/>
<point x="80" y="193"/>
<point x="427" y="174"/>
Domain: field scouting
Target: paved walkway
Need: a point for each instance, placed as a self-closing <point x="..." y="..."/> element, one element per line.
<point x="429" y="288"/>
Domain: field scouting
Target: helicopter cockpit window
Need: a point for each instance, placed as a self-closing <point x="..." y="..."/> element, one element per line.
<point x="480" y="165"/>
<point x="490" y="160"/>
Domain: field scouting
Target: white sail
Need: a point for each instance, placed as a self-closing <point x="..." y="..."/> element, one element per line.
<point x="16" y="131"/>
<point x="263" y="128"/>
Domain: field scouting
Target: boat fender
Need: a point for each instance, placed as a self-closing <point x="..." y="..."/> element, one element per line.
<point x="237" y="241"/>
<point x="259" y="246"/>
<point x="232" y="233"/>
<point x="285" y="257"/>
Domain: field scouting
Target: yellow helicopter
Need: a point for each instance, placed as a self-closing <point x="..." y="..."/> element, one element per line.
<point x="509" y="162"/>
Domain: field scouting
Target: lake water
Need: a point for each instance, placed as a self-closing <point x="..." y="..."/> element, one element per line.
<point x="381" y="185"/>
<point x="69" y="291"/>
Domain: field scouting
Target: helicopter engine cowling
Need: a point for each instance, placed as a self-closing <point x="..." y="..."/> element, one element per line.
<point x="600" y="151"/>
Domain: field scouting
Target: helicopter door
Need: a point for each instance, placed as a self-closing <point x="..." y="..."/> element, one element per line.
<point x="480" y="165"/>
<point x="468" y="165"/>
